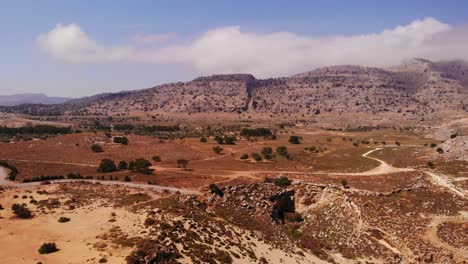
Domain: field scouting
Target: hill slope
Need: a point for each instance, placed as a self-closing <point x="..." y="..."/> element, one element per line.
<point x="412" y="93"/>
<point x="18" y="99"/>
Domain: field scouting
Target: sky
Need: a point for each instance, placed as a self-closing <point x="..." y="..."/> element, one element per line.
<point x="81" y="48"/>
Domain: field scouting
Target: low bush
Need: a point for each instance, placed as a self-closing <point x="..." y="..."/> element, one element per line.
<point x="21" y="211"/>
<point x="48" y="248"/>
<point x="97" y="148"/>
<point x="63" y="219"/>
<point x="256" y="157"/>
<point x="121" y="140"/>
<point x="282" y="181"/>
<point x="294" y="140"/>
<point x="217" y="149"/>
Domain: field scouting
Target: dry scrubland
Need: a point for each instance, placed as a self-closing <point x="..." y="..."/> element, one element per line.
<point x="334" y="210"/>
<point x="380" y="174"/>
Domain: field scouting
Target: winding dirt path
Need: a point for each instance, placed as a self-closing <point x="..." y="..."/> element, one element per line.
<point x="382" y="169"/>
<point x="432" y="237"/>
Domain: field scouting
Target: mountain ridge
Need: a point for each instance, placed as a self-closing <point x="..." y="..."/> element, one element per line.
<point x="419" y="90"/>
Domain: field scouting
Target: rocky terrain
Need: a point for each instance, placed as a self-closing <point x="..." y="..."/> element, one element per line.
<point x="417" y="92"/>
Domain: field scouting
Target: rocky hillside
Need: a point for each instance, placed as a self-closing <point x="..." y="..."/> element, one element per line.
<point x="418" y="91"/>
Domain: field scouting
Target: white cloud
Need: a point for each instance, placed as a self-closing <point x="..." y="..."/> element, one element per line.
<point x="230" y="50"/>
<point x="70" y="43"/>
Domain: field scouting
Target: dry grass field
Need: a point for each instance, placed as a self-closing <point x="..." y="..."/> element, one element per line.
<point x="358" y="197"/>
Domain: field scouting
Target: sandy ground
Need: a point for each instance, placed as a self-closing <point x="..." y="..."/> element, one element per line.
<point x="75" y="239"/>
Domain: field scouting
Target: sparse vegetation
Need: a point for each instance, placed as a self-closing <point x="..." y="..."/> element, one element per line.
<point x="217" y="149"/>
<point x="267" y="153"/>
<point x="21" y="211"/>
<point x="140" y="165"/>
<point x="282" y="181"/>
<point x="13" y="171"/>
<point x="106" y="166"/>
<point x="96" y="148"/>
<point x="294" y="140"/>
<point x="123" y="165"/>
<point x="63" y="219"/>
<point x="256" y="132"/>
<point x="257" y="157"/>
<point x="121" y="140"/>
<point x="244" y="156"/>
<point x="48" y="248"/>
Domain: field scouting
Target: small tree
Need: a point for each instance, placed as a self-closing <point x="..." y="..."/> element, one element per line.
<point x="440" y="150"/>
<point x="96" y="148"/>
<point x="214" y="189"/>
<point x="267" y="153"/>
<point x="294" y="140"/>
<point x="344" y="183"/>
<point x="219" y="139"/>
<point x="63" y="219"/>
<point x="244" y="156"/>
<point x="230" y="140"/>
<point x="282" y="181"/>
<point x="182" y="163"/>
<point x="21" y="211"/>
<point x="123" y="165"/>
<point x="217" y="149"/>
<point x="256" y="157"/>
<point x="431" y="164"/>
<point x="203" y="140"/>
<point x="156" y="159"/>
<point x="121" y="140"/>
<point x="107" y="165"/>
<point x="48" y="248"/>
<point x="282" y="151"/>
<point x="142" y="165"/>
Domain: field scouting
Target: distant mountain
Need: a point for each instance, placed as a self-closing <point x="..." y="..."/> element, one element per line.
<point x="30" y="98"/>
<point x="417" y="92"/>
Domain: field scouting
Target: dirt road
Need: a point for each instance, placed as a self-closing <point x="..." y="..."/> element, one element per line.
<point x="5" y="182"/>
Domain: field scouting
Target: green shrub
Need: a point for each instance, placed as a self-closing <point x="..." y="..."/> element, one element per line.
<point x="282" y="181"/>
<point x="217" y="149"/>
<point x="121" y="140"/>
<point x="13" y="170"/>
<point x="107" y="165"/>
<point x="203" y="140"/>
<point x="294" y="140"/>
<point x="282" y="151"/>
<point x="244" y="156"/>
<point x="96" y="148"/>
<point x="63" y="219"/>
<point x="431" y="164"/>
<point x="267" y="153"/>
<point x="141" y="165"/>
<point x="48" y="248"/>
<point x="256" y="157"/>
<point x="123" y="165"/>
<point x="256" y="132"/>
<point x="21" y="211"/>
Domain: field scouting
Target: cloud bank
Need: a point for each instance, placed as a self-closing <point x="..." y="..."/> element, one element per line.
<point x="230" y="50"/>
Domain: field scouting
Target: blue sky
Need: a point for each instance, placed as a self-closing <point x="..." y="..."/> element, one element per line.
<point x="28" y="67"/>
